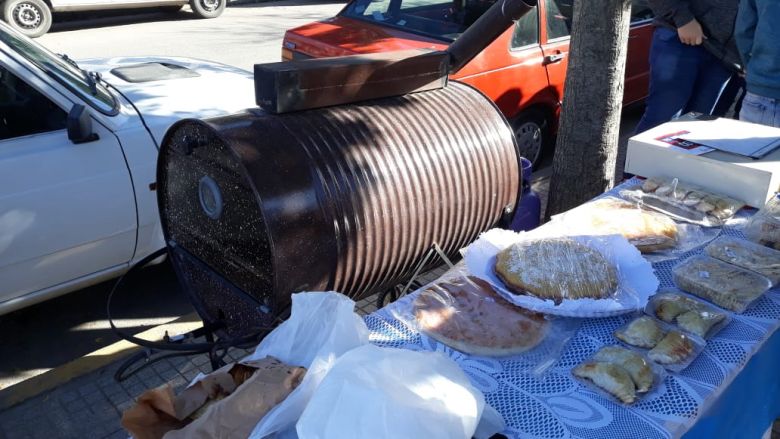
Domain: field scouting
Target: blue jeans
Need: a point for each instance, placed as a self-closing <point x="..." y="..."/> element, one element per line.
<point x="682" y="79"/>
<point x="760" y="109"/>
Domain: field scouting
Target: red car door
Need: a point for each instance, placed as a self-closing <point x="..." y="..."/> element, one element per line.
<point x="638" y="62"/>
<point x="557" y="16"/>
<point x="510" y="71"/>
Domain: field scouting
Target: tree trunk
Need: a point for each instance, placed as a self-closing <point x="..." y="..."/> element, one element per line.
<point x="586" y="150"/>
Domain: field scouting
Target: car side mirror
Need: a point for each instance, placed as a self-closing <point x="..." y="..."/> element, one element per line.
<point x="80" y="125"/>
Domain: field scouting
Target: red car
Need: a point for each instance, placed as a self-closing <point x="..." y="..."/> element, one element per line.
<point x="523" y="70"/>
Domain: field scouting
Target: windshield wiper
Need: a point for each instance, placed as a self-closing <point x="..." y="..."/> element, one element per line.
<point x="92" y="78"/>
<point x="69" y="60"/>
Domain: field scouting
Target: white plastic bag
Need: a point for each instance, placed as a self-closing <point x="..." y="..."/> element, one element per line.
<point x="379" y="393"/>
<point x="321" y="328"/>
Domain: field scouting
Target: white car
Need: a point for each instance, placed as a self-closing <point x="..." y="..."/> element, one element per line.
<point x="34" y="17"/>
<point x="78" y="152"/>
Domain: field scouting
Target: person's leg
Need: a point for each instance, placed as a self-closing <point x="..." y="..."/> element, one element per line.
<point x="710" y="83"/>
<point x="776" y="118"/>
<point x="673" y="72"/>
<point x="761" y="110"/>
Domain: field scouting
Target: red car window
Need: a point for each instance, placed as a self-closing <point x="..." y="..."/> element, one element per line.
<point x="444" y="20"/>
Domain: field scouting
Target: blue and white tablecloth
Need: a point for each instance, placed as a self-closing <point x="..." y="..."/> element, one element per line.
<point x="554" y="405"/>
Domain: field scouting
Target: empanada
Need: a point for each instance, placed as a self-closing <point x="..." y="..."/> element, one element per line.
<point x="632" y="362"/>
<point x="669" y="308"/>
<point x="610" y="377"/>
<point x="674" y="348"/>
<point x="643" y="332"/>
<point x="699" y="322"/>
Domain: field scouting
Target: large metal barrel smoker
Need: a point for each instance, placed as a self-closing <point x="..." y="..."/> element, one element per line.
<point x="258" y="205"/>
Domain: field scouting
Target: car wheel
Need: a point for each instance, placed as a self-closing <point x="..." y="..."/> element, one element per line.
<point x="30" y="17"/>
<point x="532" y="135"/>
<point x="207" y="8"/>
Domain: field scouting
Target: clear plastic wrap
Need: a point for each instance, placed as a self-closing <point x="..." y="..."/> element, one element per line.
<point x="557" y="269"/>
<point x="725" y="285"/>
<point x="754" y="257"/>
<point x="656" y="235"/>
<point x="764" y="226"/>
<point x="468" y="315"/>
<point x="669" y="347"/>
<point x="576" y="276"/>
<point x="641" y="332"/>
<point x="689" y="237"/>
<point x="684" y="202"/>
<point x="687" y="313"/>
<point x="620" y="374"/>
<point x="648" y="231"/>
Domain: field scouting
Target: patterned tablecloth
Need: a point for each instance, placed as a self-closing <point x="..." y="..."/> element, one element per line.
<point x="554" y="405"/>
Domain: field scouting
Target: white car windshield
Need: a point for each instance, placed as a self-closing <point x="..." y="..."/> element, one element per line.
<point x="63" y="70"/>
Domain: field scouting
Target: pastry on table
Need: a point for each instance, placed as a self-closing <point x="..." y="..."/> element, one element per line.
<point x="673" y="349"/>
<point x="643" y="332"/>
<point x="648" y="231"/>
<point x="556" y="269"/>
<point x="746" y="254"/>
<point x="612" y="378"/>
<point x="688" y="202"/>
<point x="631" y="361"/>
<point x="667" y="309"/>
<point x="699" y="322"/>
<point x="689" y="314"/>
<point x="723" y="284"/>
<point x="468" y="315"/>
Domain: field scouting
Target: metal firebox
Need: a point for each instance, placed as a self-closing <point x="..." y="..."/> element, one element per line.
<point x="256" y="206"/>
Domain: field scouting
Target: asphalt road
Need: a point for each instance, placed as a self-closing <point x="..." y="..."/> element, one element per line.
<point x="242" y="36"/>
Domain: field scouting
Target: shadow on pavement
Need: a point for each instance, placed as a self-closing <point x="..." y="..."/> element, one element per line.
<point x="69" y="21"/>
<point x="59" y="330"/>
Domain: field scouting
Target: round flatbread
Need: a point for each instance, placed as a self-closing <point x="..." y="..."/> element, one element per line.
<point x="556" y="269"/>
<point x="468" y="315"/>
<point x="648" y="231"/>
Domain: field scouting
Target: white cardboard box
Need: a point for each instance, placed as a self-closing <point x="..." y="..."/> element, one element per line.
<point x="749" y="180"/>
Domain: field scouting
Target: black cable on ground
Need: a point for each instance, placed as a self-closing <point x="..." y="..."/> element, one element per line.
<point x="150" y="355"/>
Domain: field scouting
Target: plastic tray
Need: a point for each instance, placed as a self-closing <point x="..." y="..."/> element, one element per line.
<point x="698" y="344"/>
<point x="725" y="285"/>
<point x="696" y="304"/>
<point x="659" y="374"/>
<point x="749" y="255"/>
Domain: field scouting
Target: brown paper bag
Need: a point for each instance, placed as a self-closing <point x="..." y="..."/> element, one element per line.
<point x="226" y="403"/>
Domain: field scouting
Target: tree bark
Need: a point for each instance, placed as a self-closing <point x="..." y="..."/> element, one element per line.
<point x="586" y="149"/>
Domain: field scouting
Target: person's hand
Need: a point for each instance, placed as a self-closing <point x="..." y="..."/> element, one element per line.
<point x="691" y="33"/>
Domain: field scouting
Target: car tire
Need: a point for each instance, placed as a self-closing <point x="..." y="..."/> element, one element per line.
<point x="30" y="17"/>
<point x="532" y="133"/>
<point x="208" y="8"/>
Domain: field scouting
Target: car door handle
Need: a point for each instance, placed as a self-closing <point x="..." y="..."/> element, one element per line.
<point x="550" y="59"/>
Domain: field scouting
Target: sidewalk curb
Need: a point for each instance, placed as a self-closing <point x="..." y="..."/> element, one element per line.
<point x="57" y="376"/>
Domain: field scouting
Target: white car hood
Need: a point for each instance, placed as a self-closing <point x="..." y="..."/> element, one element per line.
<point x="218" y="89"/>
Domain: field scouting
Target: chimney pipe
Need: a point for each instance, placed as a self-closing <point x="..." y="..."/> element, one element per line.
<point x="486" y="29"/>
